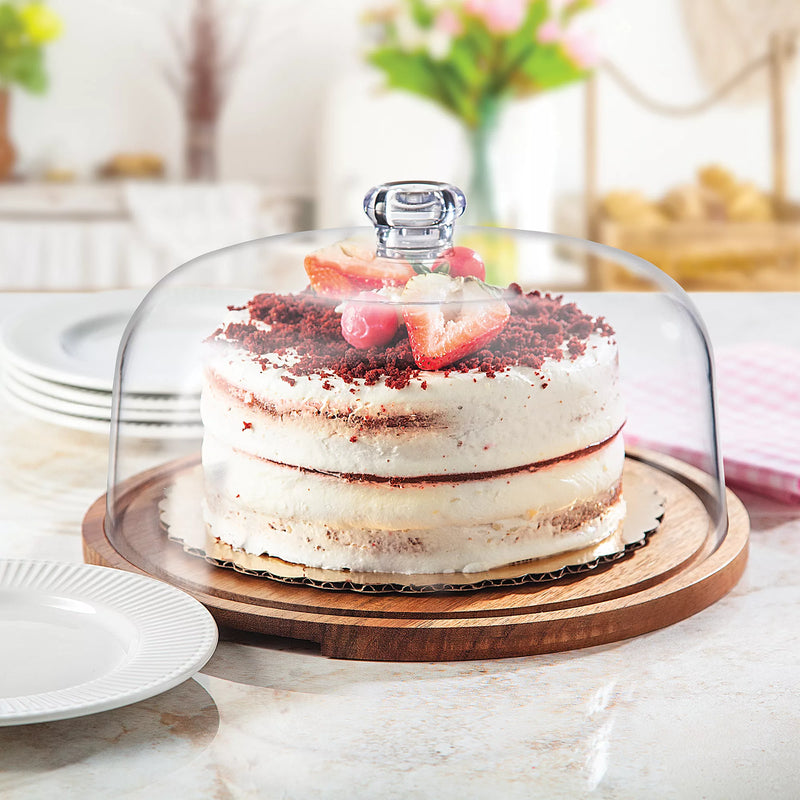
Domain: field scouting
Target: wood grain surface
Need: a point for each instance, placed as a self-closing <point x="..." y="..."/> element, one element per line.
<point x="685" y="567"/>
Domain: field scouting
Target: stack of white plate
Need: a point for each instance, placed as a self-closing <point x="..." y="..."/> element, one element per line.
<point x="57" y="364"/>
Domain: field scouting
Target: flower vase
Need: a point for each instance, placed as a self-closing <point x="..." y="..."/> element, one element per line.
<point x="7" y="152"/>
<point x="498" y="251"/>
<point x="481" y="198"/>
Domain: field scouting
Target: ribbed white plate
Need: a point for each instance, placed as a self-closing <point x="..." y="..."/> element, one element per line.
<point x="78" y="639"/>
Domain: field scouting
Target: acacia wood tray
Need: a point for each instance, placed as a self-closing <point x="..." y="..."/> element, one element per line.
<point x="685" y="567"/>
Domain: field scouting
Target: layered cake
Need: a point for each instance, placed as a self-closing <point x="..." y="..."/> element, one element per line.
<point x="429" y="424"/>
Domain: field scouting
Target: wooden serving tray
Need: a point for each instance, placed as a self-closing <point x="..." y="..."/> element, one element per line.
<point x="685" y="567"/>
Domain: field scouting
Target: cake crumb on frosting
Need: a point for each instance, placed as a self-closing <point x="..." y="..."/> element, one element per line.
<point x="541" y="327"/>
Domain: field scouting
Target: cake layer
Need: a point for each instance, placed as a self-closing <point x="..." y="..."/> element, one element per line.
<point x="447" y="423"/>
<point x="429" y="525"/>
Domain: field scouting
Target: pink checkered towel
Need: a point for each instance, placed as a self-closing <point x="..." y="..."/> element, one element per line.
<point x="759" y="417"/>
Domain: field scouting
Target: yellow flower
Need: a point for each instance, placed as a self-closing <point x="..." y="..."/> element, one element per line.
<point x="41" y="24"/>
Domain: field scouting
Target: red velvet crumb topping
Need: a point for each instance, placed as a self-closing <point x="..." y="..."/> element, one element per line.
<point x="541" y="327"/>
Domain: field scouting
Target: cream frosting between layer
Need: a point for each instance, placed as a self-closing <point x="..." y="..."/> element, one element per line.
<point x="461" y="422"/>
<point x="326" y="521"/>
<point x="291" y="493"/>
<point x="477" y="548"/>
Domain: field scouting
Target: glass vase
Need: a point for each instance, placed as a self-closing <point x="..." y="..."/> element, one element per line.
<point x="482" y="206"/>
<point x="499" y="252"/>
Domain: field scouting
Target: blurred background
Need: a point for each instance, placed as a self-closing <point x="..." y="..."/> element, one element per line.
<point x="137" y="134"/>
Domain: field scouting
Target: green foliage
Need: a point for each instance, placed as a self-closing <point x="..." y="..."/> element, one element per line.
<point x="523" y="40"/>
<point x="25" y="29"/>
<point x="415" y="72"/>
<point x="421" y="13"/>
<point x="469" y="72"/>
<point x="546" y="67"/>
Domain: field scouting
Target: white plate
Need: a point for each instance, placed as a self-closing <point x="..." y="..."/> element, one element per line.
<point x="74" y="340"/>
<point x="141" y="430"/>
<point x="127" y="414"/>
<point x="79" y="639"/>
<point x="99" y="398"/>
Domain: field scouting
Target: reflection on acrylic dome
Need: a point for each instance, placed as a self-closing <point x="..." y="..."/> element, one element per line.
<point x="375" y="407"/>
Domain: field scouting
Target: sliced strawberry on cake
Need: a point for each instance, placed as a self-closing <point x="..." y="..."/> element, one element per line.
<point x="349" y="267"/>
<point x="449" y="318"/>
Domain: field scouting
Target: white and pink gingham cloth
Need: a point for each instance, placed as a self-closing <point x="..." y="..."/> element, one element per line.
<point x="758" y="403"/>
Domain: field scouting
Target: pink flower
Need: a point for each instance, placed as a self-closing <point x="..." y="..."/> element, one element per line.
<point x="581" y="50"/>
<point x="476" y="7"/>
<point x="549" y="32"/>
<point x="500" y="16"/>
<point x="448" y="22"/>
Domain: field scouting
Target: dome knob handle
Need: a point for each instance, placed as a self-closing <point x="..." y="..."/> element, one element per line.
<point x="414" y="219"/>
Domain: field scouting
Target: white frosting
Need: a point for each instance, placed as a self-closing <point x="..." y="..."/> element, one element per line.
<point x="326" y="521"/>
<point x="467" y="422"/>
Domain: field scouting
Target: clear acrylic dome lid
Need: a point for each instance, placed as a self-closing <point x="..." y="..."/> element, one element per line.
<point x="365" y="293"/>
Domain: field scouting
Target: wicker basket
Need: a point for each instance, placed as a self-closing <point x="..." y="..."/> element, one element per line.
<point x="713" y="255"/>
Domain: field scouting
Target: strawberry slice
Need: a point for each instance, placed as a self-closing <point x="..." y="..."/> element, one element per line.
<point x="349" y="267"/>
<point x="449" y="318"/>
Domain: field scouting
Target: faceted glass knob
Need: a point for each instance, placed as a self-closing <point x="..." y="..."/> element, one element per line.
<point x="414" y="219"/>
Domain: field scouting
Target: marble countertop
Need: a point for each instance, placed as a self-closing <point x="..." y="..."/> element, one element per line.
<point x="708" y="707"/>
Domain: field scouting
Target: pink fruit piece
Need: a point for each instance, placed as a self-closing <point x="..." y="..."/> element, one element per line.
<point x="463" y="262"/>
<point x="449" y="318"/>
<point x="372" y="322"/>
<point x="344" y="268"/>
